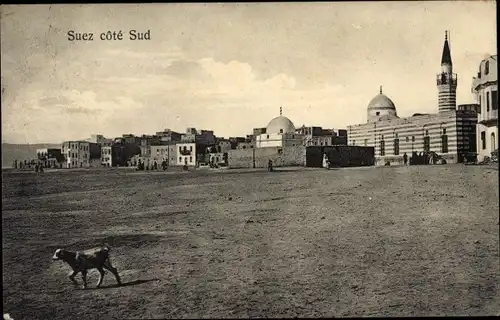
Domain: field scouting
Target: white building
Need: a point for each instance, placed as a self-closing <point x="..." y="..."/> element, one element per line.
<point x="106" y="156"/>
<point x="280" y="132"/>
<point x="186" y="154"/>
<point x="485" y="89"/>
<point x="76" y="153"/>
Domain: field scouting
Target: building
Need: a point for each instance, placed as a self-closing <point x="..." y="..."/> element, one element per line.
<point x="146" y="142"/>
<point x="168" y="135"/>
<point x="106" y="156"/>
<point x="80" y="154"/>
<point x="162" y="153"/>
<point x="485" y="90"/>
<point x="245" y="145"/>
<point x="124" y="149"/>
<point x="317" y="136"/>
<point x="186" y="153"/>
<point x="50" y="157"/>
<point x="451" y="132"/>
<point x="280" y="132"/>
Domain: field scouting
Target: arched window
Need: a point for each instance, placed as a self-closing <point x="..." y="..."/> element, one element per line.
<point x="487" y="67"/>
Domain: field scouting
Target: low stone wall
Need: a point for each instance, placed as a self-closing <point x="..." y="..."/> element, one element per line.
<point x="259" y="157"/>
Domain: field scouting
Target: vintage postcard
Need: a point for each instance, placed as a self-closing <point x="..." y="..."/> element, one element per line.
<point x="250" y="160"/>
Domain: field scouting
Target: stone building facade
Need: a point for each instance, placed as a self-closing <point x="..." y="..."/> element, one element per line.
<point x="485" y="90"/>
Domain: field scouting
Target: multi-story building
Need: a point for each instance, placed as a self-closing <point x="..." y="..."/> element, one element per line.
<point x="317" y="136"/>
<point x="161" y="153"/>
<point x="146" y="142"/>
<point x="451" y="132"/>
<point x="80" y="154"/>
<point x="168" y="135"/>
<point x="123" y="149"/>
<point x="485" y="90"/>
<point x="50" y="157"/>
<point x="186" y="153"/>
<point x="107" y="156"/>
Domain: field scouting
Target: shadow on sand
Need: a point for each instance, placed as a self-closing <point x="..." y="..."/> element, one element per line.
<point x="125" y="284"/>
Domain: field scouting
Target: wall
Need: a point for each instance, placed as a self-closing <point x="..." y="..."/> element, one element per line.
<point x="279" y="140"/>
<point x="491" y="142"/>
<point x="286" y="156"/>
<point x="340" y="156"/>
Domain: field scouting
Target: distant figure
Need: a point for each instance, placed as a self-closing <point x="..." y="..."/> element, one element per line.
<point x="41" y="168"/>
<point x="270" y="165"/>
<point x="326" y="162"/>
<point x="155" y="166"/>
<point x="405" y="159"/>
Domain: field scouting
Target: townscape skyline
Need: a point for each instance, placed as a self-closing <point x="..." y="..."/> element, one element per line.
<point x="228" y="67"/>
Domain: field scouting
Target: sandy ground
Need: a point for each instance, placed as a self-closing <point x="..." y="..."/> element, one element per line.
<point x="391" y="241"/>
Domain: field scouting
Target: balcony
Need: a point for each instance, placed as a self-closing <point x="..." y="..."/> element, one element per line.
<point x="185" y="152"/>
<point x="443" y="79"/>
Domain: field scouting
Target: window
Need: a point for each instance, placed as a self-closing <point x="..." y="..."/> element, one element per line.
<point x="426" y="132"/>
<point x="487" y="101"/>
<point x="190" y="148"/>
<point x="444" y="142"/>
<point x="407" y="139"/>
<point x="293" y="136"/>
<point x="180" y="148"/>
<point x="180" y="159"/>
<point x="487" y="67"/>
<point x="483" y="140"/>
<point x="281" y="130"/>
<point x="494" y="100"/>
<point x="377" y="113"/>
<point x="267" y="136"/>
<point x="427" y="143"/>
<point x="190" y="159"/>
<point x="412" y="138"/>
<point x="493" y="142"/>
<point x="381" y="137"/>
<point x="396" y="147"/>
<point x="382" y="148"/>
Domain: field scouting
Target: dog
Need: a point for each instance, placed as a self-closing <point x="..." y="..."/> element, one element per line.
<point x="96" y="258"/>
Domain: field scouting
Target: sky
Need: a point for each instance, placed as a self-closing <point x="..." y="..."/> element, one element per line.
<point x="228" y="67"/>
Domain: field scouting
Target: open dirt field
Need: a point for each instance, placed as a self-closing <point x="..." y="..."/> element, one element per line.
<point x="392" y="241"/>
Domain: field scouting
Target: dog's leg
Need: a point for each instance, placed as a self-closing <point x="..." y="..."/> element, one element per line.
<point x="101" y="276"/>
<point x="84" y="277"/>
<point x="72" y="277"/>
<point x="107" y="265"/>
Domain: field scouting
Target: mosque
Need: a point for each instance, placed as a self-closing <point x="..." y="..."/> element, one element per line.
<point x="280" y="132"/>
<point x="451" y="132"/>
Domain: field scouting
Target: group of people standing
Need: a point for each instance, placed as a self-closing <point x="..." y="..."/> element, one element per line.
<point x="420" y="159"/>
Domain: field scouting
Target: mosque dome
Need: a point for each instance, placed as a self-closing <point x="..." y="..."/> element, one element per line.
<point x="280" y="124"/>
<point x="381" y="108"/>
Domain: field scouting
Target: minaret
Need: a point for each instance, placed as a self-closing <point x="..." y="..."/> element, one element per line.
<point x="447" y="81"/>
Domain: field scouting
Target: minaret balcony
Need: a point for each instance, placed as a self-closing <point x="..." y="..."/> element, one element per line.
<point x="444" y="78"/>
